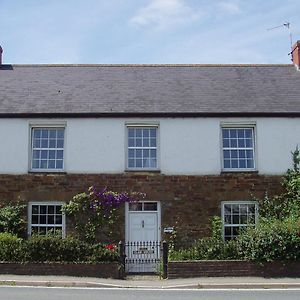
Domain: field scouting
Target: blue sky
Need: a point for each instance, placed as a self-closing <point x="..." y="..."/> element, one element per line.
<point x="147" y="31"/>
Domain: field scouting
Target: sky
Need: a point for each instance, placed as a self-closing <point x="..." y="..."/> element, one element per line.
<point x="147" y="31"/>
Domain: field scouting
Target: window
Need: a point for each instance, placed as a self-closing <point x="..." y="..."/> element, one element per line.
<point x="238" y="148"/>
<point x="142" y="148"/>
<point x="47" y="148"/>
<point x="46" y="217"/>
<point x="143" y="206"/>
<point x="236" y="216"/>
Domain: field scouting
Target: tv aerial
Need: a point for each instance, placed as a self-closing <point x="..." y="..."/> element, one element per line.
<point x="286" y="25"/>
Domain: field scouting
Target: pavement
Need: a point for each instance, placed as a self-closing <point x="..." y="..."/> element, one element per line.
<point x="152" y="282"/>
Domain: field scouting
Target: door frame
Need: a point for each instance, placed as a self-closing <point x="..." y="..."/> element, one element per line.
<point x="158" y="212"/>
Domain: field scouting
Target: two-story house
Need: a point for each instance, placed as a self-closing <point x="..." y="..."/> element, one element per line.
<point x="199" y="140"/>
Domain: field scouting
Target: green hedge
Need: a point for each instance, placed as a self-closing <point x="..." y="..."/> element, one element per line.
<point x="271" y="241"/>
<point x="207" y="248"/>
<point x="52" y="249"/>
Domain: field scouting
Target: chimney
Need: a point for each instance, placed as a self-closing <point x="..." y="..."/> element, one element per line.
<point x="296" y="54"/>
<point x="1" y="51"/>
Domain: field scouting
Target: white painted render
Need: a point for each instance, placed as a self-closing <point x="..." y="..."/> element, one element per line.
<point x="186" y="145"/>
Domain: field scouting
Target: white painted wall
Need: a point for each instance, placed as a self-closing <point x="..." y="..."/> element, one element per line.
<point x="187" y="146"/>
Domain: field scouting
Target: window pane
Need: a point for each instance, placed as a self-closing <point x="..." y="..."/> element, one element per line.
<point x="225" y="143"/>
<point x="36" y="133"/>
<point x="34" y="219"/>
<point x="139" y="163"/>
<point x="138" y="132"/>
<point x="131" y="132"/>
<point x="59" y="164"/>
<point x="58" y="209"/>
<point x="225" y="133"/>
<point x="45" y="133"/>
<point x="60" y="133"/>
<point x="60" y="143"/>
<point x="131" y="163"/>
<point x="42" y="219"/>
<point x="138" y="142"/>
<point x="44" y="143"/>
<point x="135" y="206"/>
<point x="150" y="206"/>
<point x="58" y="219"/>
<point x="153" y="132"/>
<point x="131" y="142"/>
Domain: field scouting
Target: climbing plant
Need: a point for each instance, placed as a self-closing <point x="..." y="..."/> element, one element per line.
<point x="95" y="212"/>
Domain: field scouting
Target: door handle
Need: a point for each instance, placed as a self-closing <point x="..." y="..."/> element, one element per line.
<point x="143" y="224"/>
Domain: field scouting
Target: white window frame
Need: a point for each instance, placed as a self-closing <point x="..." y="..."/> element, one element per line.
<point x="46" y="126"/>
<point x="47" y="203"/>
<point x="239" y="125"/>
<point x="223" y="203"/>
<point x="142" y="126"/>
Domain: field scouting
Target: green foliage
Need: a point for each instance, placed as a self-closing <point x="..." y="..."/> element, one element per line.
<point x="276" y="240"/>
<point x="207" y="248"/>
<point x="216" y="227"/>
<point x="10" y="247"/>
<point x="287" y="204"/>
<point x="94" y="213"/>
<point x="53" y="249"/>
<point x="11" y="219"/>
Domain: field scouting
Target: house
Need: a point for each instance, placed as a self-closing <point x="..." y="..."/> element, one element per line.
<point x="199" y="140"/>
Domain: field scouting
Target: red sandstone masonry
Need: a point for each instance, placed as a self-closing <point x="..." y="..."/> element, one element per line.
<point x="105" y="270"/>
<point x="188" y="202"/>
<point x="234" y="268"/>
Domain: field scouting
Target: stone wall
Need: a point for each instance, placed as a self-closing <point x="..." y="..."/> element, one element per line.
<point x="234" y="268"/>
<point x="105" y="270"/>
<point x="187" y="202"/>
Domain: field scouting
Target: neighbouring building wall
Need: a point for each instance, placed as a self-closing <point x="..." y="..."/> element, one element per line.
<point x="187" y="146"/>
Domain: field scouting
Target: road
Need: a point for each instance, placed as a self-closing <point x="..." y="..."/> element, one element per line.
<point x="38" y="293"/>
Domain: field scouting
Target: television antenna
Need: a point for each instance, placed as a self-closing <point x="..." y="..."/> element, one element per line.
<point x="286" y="25"/>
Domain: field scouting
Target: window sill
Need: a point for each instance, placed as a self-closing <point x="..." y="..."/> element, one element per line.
<point x="255" y="171"/>
<point x="142" y="171"/>
<point x="46" y="172"/>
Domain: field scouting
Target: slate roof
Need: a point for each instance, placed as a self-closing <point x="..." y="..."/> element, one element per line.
<point x="148" y="90"/>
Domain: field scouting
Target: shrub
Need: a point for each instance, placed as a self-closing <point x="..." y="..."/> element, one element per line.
<point x="10" y="247"/>
<point x="11" y="219"/>
<point x="276" y="240"/>
<point x="206" y="249"/>
<point x="56" y="249"/>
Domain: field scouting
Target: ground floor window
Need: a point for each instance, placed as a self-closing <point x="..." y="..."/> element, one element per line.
<point x="45" y="218"/>
<point x="236" y="216"/>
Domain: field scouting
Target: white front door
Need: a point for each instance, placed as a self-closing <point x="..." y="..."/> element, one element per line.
<point x="143" y="226"/>
<point x="142" y="237"/>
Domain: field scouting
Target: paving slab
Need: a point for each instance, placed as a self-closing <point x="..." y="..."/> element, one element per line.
<point x="152" y="282"/>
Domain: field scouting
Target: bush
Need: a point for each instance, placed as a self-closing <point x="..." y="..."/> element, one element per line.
<point x="11" y="219"/>
<point x="56" y="249"/>
<point x="11" y="247"/>
<point x="206" y="249"/>
<point x="276" y="240"/>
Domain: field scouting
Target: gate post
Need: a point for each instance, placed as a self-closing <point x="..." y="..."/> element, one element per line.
<point x="165" y="248"/>
<point x="122" y="256"/>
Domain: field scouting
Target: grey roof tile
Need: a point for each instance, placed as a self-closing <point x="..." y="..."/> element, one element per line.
<point x="152" y="89"/>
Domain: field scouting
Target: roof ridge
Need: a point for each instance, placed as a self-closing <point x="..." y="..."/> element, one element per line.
<point x="148" y="65"/>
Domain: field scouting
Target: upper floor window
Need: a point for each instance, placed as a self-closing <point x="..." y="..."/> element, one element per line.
<point x="238" y="148"/>
<point x="142" y="147"/>
<point x="47" y="151"/>
<point x="236" y="216"/>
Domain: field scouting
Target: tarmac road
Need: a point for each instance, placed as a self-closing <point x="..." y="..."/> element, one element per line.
<point x="51" y="293"/>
